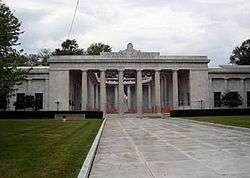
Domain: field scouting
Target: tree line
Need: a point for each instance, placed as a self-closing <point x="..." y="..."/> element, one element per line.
<point x="68" y="47"/>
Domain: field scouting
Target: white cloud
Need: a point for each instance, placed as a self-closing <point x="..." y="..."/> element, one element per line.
<point x="202" y="27"/>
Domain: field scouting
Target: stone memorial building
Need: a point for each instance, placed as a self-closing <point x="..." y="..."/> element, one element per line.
<point x="132" y="81"/>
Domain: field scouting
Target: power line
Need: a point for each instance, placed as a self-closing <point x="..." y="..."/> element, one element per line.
<point x="73" y="20"/>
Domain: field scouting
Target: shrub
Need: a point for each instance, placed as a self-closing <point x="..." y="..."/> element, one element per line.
<point x="231" y="99"/>
<point x="3" y="102"/>
<point x="209" y="112"/>
<point x="27" y="102"/>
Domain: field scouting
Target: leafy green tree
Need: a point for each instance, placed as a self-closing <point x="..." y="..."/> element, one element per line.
<point x="231" y="99"/>
<point x="9" y="30"/>
<point x="98" y="48"/>
<point x="69" y="47"/>
<point x="44" y="55"/>
<point x="41" y="58"/>
<point x="10" y="74"/>
<point x="241" y="55"/>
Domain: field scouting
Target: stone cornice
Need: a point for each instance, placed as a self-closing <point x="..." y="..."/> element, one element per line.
<point x="227" y="71"/>
<point x="36" y="70"/>
<point x="78" y="59"/>
<point x="129" y="55"/>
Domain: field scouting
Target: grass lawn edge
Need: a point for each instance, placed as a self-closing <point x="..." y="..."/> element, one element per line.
<point x="240" y="128"/>
<point x="88" y="162"/>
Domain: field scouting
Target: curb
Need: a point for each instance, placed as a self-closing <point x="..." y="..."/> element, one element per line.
<point x="216" y="125"/>
<point x="87" y="165"/>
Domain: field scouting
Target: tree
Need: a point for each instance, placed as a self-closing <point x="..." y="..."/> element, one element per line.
<point x="69" y="47"/>
<point x="9" y="30"/>
<point x="97" y="48"/>
<point x="10" y="74"/>
<point x="28" y="102"/>
<point x="44" y="55"/>
<point x="231" y="99"/>
<point x="241" y="55"/>
<point x="41" y="58"/>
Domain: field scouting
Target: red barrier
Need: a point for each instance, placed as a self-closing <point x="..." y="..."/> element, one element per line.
<point x="131" y="110"/>
<point x="111" y="109"/>
<point x="166" y="109"/>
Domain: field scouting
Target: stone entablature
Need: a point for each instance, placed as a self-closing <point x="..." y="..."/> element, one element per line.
<point x="230" y="69"/>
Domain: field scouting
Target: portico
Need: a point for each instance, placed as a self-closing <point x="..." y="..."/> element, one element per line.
<point x="128" y="81"/>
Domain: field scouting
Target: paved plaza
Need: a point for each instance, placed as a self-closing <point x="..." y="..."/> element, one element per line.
<point x="132" y="147"/>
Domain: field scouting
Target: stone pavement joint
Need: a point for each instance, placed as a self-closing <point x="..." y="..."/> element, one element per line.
<point x="132" y="147"/>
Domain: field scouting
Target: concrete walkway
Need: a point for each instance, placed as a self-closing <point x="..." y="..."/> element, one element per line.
<point x="134" y="147"/>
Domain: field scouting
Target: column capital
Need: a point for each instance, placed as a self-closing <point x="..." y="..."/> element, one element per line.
<point x="138" y="70"/>
<point x="226" y="78"/>
<point x="84" y="70"/>
<point x="242" y="78"/>
<point x="175" y="70"/>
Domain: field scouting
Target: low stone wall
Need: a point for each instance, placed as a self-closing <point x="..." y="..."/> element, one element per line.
<point x="50" y="114"/>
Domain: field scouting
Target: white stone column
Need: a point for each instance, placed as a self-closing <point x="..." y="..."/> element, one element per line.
<point x="116" y="96"/>
<point x="91" y="93"/>
<point x="103" y="97"/>
<point x="121" y="92"/>
<point x="29" y="85"/>
<point x="129" y="96"/>
<point x="243" y="92"/>
<point x="149" y="97"/>
<point x="166" y="91"/>
<point x="175" y="89"/>
<point x="225" y="85"/>
<point x="96" y="96"/>
<point x="210" y="90"/>
<point x="157" y="91"/>
<point x="84" y="89"/>
<point x="163" y="91"/>
<point x="46" y="95"/>
<point x="94" y="91"/>
<point x="139" y="92"/>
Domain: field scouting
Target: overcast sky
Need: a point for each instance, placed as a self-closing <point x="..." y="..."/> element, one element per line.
<point x="172" y="27"/>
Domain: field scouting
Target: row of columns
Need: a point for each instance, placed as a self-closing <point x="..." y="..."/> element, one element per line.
<point x="103" y="97"/>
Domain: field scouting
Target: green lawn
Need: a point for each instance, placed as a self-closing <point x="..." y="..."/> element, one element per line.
<point x="240" y="121"/>
<point x="45" y="148"/>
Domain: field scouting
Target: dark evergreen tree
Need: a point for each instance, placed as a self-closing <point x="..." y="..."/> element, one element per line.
<point x="69" y="47"/>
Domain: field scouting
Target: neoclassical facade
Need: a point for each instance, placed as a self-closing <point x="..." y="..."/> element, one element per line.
<point x="132" y="81"/>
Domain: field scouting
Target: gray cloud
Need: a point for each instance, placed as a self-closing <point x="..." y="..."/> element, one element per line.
<point x="199" y="27"/>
